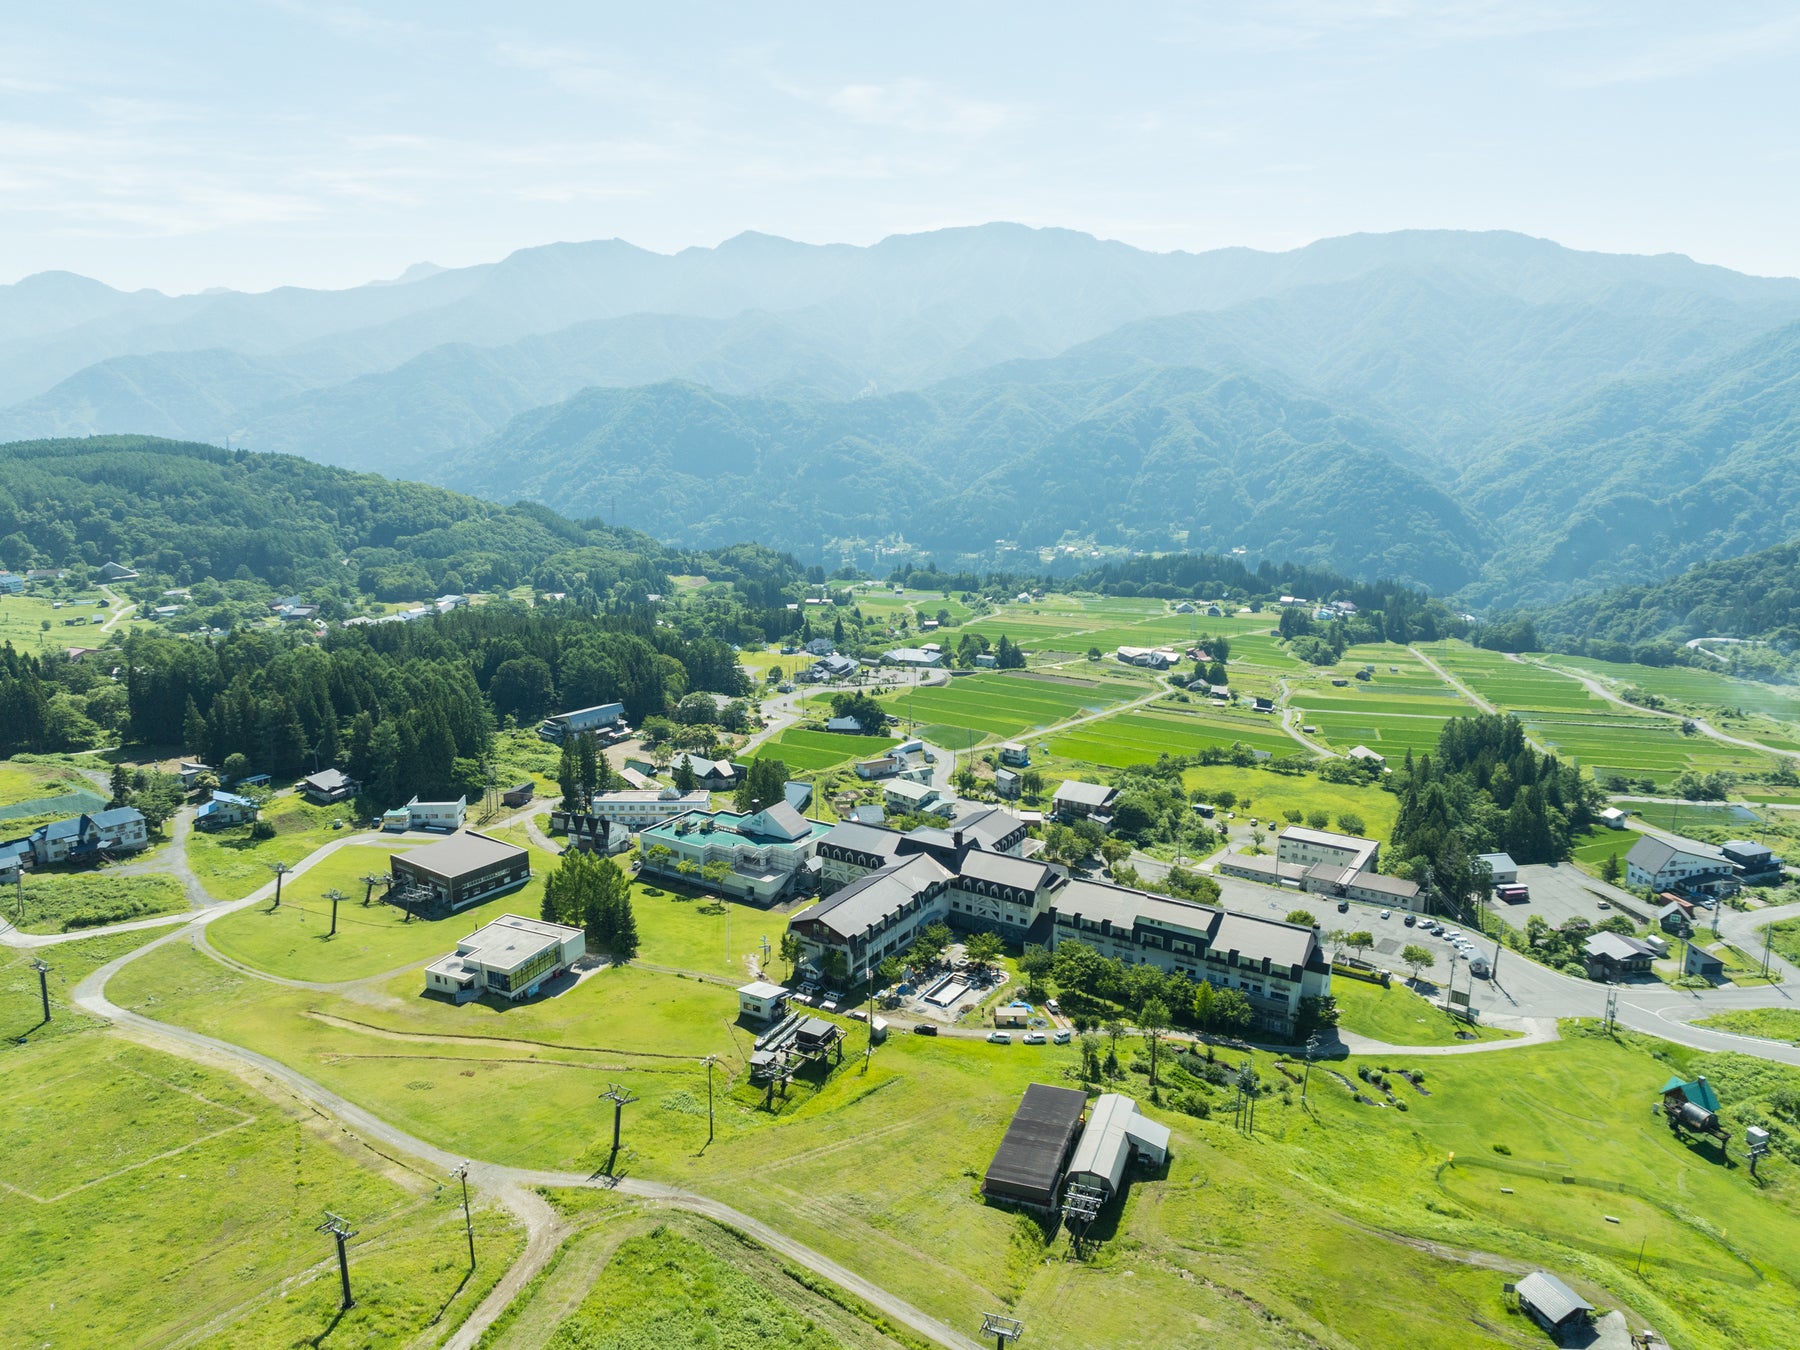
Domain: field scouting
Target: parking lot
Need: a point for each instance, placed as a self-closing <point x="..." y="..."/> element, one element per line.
<point x="1562" y="891"/>
<point x="1391" y="934"/>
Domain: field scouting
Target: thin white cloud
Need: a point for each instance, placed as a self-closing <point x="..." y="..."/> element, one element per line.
<point x="920" y="106"/>
<point x="1689" y="55"/>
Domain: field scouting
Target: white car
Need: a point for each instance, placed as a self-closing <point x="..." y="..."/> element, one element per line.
<point x="1036" y="1038"/>
<point x="1387" y="913"/>
<point x="999" y="1038"/>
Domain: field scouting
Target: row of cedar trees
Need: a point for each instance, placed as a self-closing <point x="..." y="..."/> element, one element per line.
<point x="591" y="892"/>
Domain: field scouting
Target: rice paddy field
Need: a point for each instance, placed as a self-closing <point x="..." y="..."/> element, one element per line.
<point x="1000" y="705"/>
<point x="807" y="751"/>
<point x="1563" y="715"/>
<point x="1690" y="685"/>
<point x="1141" y="735"/>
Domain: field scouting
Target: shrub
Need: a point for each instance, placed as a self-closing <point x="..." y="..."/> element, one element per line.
<point x="1503" y="1150"/>
<point x="1193" y="1104"/>
<point x="262" y="829"/>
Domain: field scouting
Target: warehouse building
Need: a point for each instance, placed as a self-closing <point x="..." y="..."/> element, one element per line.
<point x="1028" y="1168"/>
<point x="602" y="717"/>
<point x="510" y="958"/>
<point x="1117" y="1133"/>
<point x="460" y="871"/>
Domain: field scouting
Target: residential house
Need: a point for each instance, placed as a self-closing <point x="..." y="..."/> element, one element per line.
<point x="1015" y="755"/>
<point x="1074" y="800"/>
<point x="913" y="656"/>
<point x="1696" y="960"/>
<point x="225" y="808"/>
<point x="1152" y="658"/>
<point x="1675" y="919"/>
<point x="904" y="797"/>
<point x="1006" y="784"/>
<point x="1755" y="864"/>
<point x="1613" y="956"/>
<point x="91" y="837"/>
<point x="329" y="785"/>
<point x="1368" y="756"/>
<point x="510" y="958"/>
<point x="715" y="775"/>
<point x="886" y="766"/>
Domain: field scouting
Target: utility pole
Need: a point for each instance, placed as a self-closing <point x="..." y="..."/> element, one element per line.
<point x="1312" y="1048"/>
<point x="461" y="1171"/>
<point x="334" y="895"/>
<point x="1612" y="1006"/>
<point x="621" y="1098"/>
<point x="280" y="869"/>
<point x="340" y="1229"/>
<point x="709" y="1061"/>
<point x="43" y="974"/>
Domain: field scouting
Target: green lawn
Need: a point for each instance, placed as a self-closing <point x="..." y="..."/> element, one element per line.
<point x="1774" y="1024"/>
<point x="292" y="941"/>
<point x="878" y="1171"/>
<point x="691" y="931"/>
<point x="1593" y="848"/>
<point x="22" y="620"/>
<point x="1398" y="1016"/>
<point x="39" y="789"/>
<point x="1268" y="796"/>
<point x="230" y="864"/>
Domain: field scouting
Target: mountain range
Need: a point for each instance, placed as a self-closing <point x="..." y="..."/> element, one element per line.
<point x="1486" y="414"/>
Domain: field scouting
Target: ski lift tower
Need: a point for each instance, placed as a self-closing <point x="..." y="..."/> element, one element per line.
<point x="1004" y="1330"/>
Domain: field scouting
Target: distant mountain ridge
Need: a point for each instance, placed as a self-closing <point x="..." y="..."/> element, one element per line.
<point x="1482" y="413"/>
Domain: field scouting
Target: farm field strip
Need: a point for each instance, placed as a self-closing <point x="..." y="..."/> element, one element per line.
<point x="1001" y="705"/>
<point x="804" y="750"/>
<point x="1687" y="684"/>
<point x="1392" y="736"/>
<point x="1139" y="737"/>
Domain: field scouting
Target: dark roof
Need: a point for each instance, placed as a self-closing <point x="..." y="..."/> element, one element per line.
<point x="868" y="900"/>
<point x="1029" y="1162"/>
<point x="1553" y="1299"/>
<point x="460" y="854"/>
<point x="864" y="839"/>
<point x="1002" y="869"/>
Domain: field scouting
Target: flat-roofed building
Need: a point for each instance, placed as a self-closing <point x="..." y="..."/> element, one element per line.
<point x="436" y="815"/>
<point x="509" y="958"/>
<point x="1299" y="845"/>
<point x="762" y="1001"/>
<point x="637" y="810"/>
<point x="462" y="870"/>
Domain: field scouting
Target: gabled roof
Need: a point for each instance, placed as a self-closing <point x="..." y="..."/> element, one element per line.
<point x="864" y="839"/>
<point x="883" y="892"/>
<point x="1550" y="1296"/>
<point x="1002" y="869"/>
<point x="1652" y="854"/>
<point x="326" y="780"/>
<point x="1084" y="794"/>
<point x="1618" y="947"/>
<point x="119" y="815"/>
<point x="1699" y="1092"/>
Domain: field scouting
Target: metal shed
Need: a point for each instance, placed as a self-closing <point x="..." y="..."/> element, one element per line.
<point x="1551" y="1303"/>
<point x="1028" y="1167"/>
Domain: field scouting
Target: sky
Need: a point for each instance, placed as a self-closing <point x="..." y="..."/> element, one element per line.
<point x="257" y="143"/>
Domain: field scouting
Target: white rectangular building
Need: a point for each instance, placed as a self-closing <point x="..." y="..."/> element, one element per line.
<point x="636" y="810"/>
<point x="510" y="958"/>
<point x="1116" y="1133"/>
<point x="1298" y="845"/>
<point x="436" y="815"/>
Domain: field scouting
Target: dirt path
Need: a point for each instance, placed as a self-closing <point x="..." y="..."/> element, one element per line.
<point x="1290" y="723"/>
<point x="120" y="609"/>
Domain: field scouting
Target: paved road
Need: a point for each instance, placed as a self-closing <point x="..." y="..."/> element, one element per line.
<point x="508" y="1185"/>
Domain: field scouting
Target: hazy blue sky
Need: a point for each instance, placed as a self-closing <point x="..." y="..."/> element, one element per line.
<point x="183" y="145"/>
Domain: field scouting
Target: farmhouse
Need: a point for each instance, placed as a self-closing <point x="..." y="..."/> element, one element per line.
<point x="461" y="870"/>
<point x="1298" y="845"/>
<point x="328" y="785"/>
<point x="768" y="853"/>
<point x="1116" y="1133"/>
<point x="15" y="855"/>
<point x="1015" y="755"/>
<point x="601" y="717"/>
<point x="1662" y="866"/>
<point x="715" y="775"/>
<point x="1613" y="956"/>
<point x="1368" y="756"/>
<point x="1075" y="800"/>
<point x="510" y="957"/>
<point x="89" y="838"/>
<point x="225" y="808"/>
<point x="637" y="810"/>
<point x="1153" y="658"/>
<point x="1028" y="1167"/>
<point x="904" y="796"/>
<point x="847" y="725"/>
<point x="885" y="766"/>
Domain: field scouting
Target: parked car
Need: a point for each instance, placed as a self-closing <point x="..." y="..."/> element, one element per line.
<point x="1051" y="1006"/>
<point x="1343" y="907"/>
<point x="1062" y="1037"/>
<point x="1410" y="920"/>
<point x="924" y="1029"/>
<point x="1387" y="913"/>
<point x="1036" y="1038"/>
<point x="1605" y="904"/>
<point x="999" y="1038"/>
